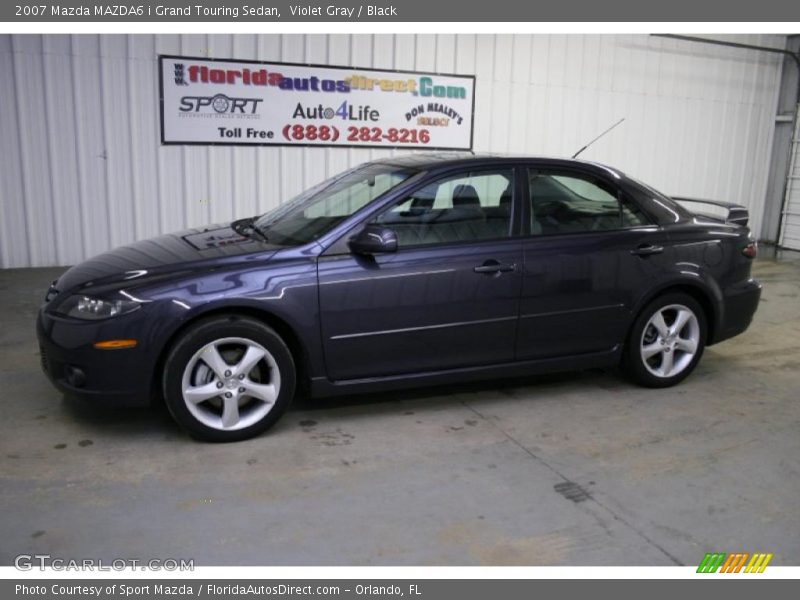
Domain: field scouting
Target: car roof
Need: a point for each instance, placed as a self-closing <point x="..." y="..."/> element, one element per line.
<point x="430" y="160"/>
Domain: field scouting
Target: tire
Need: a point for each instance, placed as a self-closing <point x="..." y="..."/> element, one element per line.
<point x="656" y="355"/>
<point x="228" y="378"/>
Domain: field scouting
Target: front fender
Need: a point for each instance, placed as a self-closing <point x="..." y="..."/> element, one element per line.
<point x="284" y="291"/>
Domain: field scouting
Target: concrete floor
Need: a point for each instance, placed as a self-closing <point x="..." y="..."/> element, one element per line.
<point x="576" y="469"/>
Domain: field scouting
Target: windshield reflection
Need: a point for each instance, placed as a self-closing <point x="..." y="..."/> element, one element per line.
<point x="319" y="209"/>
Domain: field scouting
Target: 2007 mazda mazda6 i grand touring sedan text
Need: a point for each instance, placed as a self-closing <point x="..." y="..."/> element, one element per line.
<point x="415" y="270"/>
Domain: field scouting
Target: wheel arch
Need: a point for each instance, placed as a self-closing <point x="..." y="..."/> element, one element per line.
<point x="704" y="296"/>
<point x="284" y="329"/>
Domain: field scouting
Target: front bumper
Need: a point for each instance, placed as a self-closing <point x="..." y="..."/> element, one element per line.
<point x="740" y="304"/>
<point x="112" y="377"/>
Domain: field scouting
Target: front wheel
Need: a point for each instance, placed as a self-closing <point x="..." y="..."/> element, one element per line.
<point x="228" y="378"/>
<point x="666" y="341"/>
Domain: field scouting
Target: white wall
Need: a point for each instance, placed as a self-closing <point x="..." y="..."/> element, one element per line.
<point x="82" y="169"/>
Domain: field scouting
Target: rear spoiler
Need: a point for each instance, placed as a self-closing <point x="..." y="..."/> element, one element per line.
<point x="737" y="214"/>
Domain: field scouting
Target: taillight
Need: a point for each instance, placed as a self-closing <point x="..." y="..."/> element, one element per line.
<point x="750" y="250"/>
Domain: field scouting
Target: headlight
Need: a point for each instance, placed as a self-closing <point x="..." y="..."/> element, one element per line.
<point x="93" y="309"/>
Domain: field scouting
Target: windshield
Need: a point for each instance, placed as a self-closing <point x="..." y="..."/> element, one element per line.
<point x="317" y="210"/>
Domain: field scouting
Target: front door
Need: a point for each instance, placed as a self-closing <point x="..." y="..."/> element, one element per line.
<point x="449" y="296"/>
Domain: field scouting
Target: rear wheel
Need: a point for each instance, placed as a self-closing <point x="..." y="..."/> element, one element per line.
<point x="228" y="378"/>
<point x="666" y="341"/>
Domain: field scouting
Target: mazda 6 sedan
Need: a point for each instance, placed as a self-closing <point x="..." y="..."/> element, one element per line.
<point x="423" y="269"/>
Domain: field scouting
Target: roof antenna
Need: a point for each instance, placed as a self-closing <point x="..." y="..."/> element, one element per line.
<point x="598" y="137"/>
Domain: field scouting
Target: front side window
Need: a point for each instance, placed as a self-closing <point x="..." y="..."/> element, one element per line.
<point x="465" y="207"/>
<point x="319" y="209"/>
<point x="571" y="203"/>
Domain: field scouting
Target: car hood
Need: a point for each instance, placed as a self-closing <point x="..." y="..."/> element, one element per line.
<point x="165" y="254"/>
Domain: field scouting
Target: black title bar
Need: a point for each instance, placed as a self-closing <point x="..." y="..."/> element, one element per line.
<point x="403" y="11"/>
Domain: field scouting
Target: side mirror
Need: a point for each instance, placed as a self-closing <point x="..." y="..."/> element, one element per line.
<point x="373" y="239"/>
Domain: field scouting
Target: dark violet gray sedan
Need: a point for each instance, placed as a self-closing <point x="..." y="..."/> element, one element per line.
<point x="422" y="269"/>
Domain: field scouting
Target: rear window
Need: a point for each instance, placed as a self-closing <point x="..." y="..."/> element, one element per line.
<point x="660" y="206"/>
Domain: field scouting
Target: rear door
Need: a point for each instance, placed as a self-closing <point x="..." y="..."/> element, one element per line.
<point x="449" y="296"/>
<point x="589" y="253"/>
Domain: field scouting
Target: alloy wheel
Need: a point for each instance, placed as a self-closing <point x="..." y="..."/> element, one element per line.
<point x="670" y="340"/>
<point x="231" y="383"/>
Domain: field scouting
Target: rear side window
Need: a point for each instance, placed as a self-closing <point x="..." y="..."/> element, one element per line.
<point x="663" y="208"/>
<point x="572" y="203"/>
<point x="466" y="207"/>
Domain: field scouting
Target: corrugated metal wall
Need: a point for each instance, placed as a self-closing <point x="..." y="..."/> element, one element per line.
<point x="83" y="170"/>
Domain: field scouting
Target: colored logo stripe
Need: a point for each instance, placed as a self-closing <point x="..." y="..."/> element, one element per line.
<point x="733" y="563"/>
<point x="711" y="562"/>
<point x="758" y="563"/>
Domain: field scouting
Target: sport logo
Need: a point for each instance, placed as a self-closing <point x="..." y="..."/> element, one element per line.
<point x="734" y="563"/>
<point x="220" y="104"/>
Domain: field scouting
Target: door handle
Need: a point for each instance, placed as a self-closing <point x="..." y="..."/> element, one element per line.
<point x="490" y="267"/>
<point x="647" y="250"/>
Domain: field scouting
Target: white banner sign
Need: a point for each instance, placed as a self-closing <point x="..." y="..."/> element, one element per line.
<point x="254" y="103"/>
